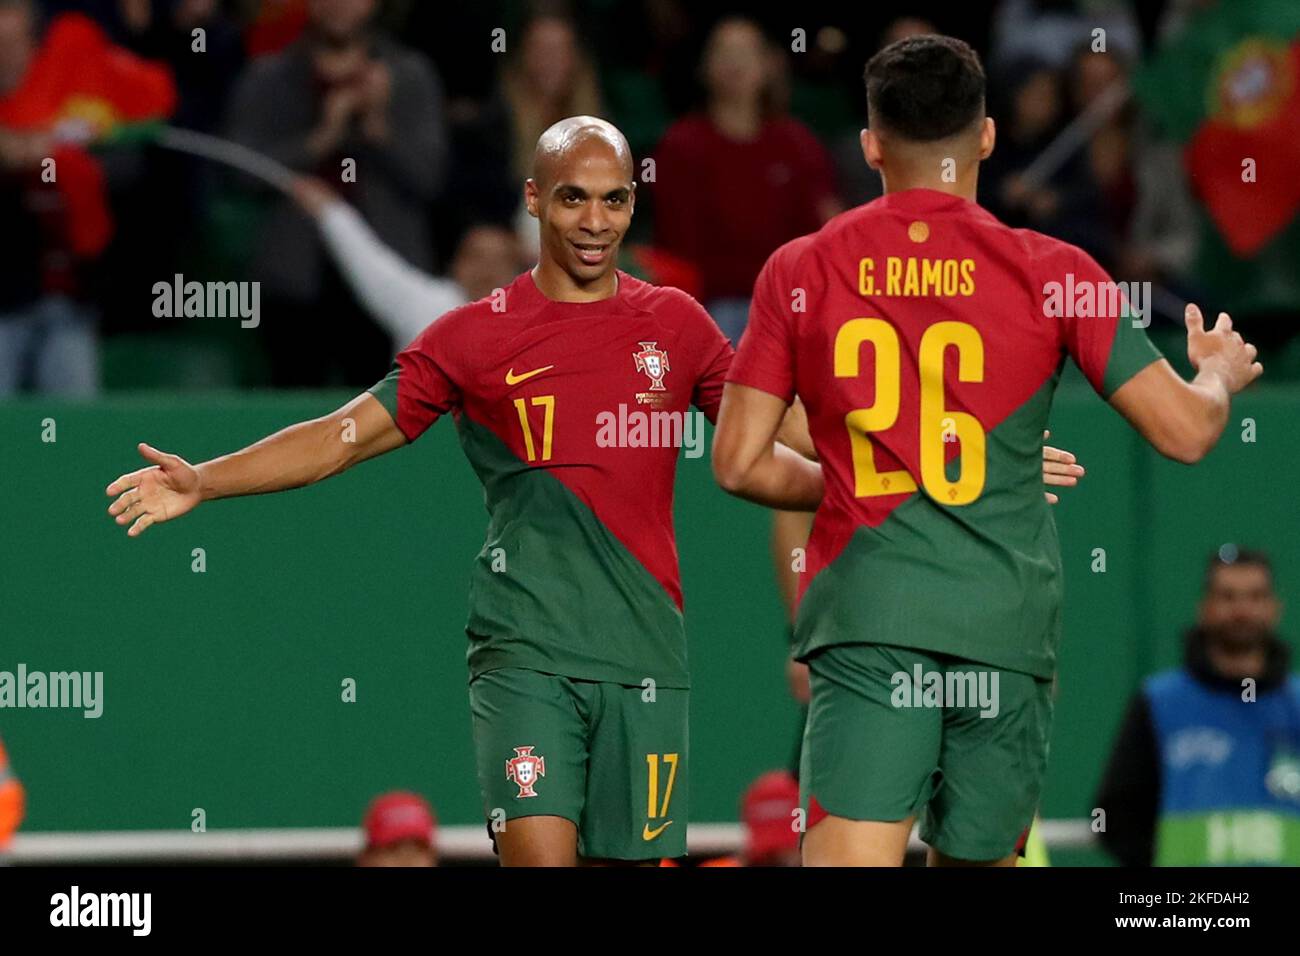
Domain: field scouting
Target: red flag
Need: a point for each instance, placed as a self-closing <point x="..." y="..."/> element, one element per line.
<point x="1244" y="161"/>
<point x="81" y="88"/>
<point x="81" y="82"/>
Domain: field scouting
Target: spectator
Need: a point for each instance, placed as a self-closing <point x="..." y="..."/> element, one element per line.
<point x="401" y="830"/>
<point x="481" y="184"/>
<point x="1067" y="205"/>
<point x="767" y="812"/>
<point x="550" y="78"/>
<point x="1050" y="30"/>
<point x="277" y="24"/>
<point x="342" y="92"/>
<point x="48" y="339"/>
<point x="768" y="817"/>
<point x="400" y="297"/>
<point x="166" y="32"/>
<point x="159" y="196"/>
<point x="1109" y="152"/>
<point x="858" y="182"/>
<point x="735" y="181"/>
<point x="1206" y="766"/>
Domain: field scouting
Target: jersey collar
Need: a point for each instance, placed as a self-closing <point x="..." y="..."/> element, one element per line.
<point x="920" y="201"/>
<point x="525" y="293"/>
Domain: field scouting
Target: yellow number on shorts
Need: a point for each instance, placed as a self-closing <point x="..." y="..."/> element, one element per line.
<point x="548" y="425"/>
<point x="936" y="422"/>
<point x="653" y="809"/>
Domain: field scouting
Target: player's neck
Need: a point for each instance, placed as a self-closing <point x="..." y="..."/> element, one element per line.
<point x="558" y="286"/>
<point x="964" y="186"/>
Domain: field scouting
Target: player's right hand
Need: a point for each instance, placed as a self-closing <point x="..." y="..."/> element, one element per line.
<point x="166" y="490"/>
<point x="1221" y="349"/>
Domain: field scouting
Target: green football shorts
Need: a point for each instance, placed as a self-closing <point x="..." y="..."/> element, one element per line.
<point x="599" y="754"/>
<point x="894" y="732"/>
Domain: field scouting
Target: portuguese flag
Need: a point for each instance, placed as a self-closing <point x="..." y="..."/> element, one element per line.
<point x="85" y="90"/>
<point x="1228" y="86"/>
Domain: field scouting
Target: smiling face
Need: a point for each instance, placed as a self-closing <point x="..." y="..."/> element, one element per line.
<point x="582" y="194"/>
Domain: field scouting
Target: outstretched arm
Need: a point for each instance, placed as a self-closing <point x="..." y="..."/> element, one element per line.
<point x="295" y="456"/>
<point x="1183" y="420"/>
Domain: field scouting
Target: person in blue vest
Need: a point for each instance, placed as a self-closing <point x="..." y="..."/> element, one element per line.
<point x="1206" y="767"/>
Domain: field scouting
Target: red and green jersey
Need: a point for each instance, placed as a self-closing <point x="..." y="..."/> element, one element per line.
<point x="925" y="339"/>
<point x="578" y="573"/>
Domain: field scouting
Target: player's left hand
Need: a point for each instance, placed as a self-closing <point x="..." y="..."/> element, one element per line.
<point x="1060" y="468"/>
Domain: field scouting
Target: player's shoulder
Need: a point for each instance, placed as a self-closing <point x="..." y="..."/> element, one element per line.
<point x="466" y="320"/>
<point x="787" y="255"/>
<point x="444" y="328"/>
<point x="865" y="219"/>
<point x="470" y="313"/>
<point x="665" y="301"/>
<point x="671" y="307"/>
<point x="1048" y="253"/>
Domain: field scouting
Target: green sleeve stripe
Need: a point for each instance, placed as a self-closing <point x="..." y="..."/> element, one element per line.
<point x="386" y="390"/>
<point x="1130" y="352"/>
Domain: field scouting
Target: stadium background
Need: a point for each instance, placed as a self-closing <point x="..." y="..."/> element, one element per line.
<point x="222" y="689"/>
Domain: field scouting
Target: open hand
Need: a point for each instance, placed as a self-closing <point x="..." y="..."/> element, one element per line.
<point x="167" y="489"/>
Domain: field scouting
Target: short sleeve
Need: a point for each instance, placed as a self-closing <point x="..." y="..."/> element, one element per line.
<point x="418" y="388"/>
<point x="765" y="358"/>
<point x="716" y="358"/>
<point x="1101" y="328"/>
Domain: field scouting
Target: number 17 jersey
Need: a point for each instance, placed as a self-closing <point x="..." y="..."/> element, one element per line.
<point x="572" y="415"/>
<point x="926" y="339"/>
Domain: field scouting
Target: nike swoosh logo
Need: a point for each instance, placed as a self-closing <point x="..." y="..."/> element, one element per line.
<point x="513" y="379"/>
<point x="647" y="834"/>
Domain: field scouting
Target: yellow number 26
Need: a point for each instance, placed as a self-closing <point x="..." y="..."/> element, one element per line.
<point x="938" y="425"/>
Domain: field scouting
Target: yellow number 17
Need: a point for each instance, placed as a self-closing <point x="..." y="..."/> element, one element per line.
<point x="548" y="425"/>
<point x="938" y="425"/>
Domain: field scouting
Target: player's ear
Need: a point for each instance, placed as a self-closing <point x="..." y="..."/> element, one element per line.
<point x="871" y="148"/>
<point x="988" y="136"/>
<point x="532" y="196"/>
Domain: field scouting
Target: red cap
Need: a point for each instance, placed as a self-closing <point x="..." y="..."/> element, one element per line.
<point x="767" y="811"/>
<point x="397" y="816"/>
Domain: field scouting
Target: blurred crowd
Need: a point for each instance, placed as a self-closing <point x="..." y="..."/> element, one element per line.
<point x="751" y="122"/>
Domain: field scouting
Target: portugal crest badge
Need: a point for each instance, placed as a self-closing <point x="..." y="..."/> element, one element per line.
<point x="524" y="768"/>
<point x="654" y="362"/>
